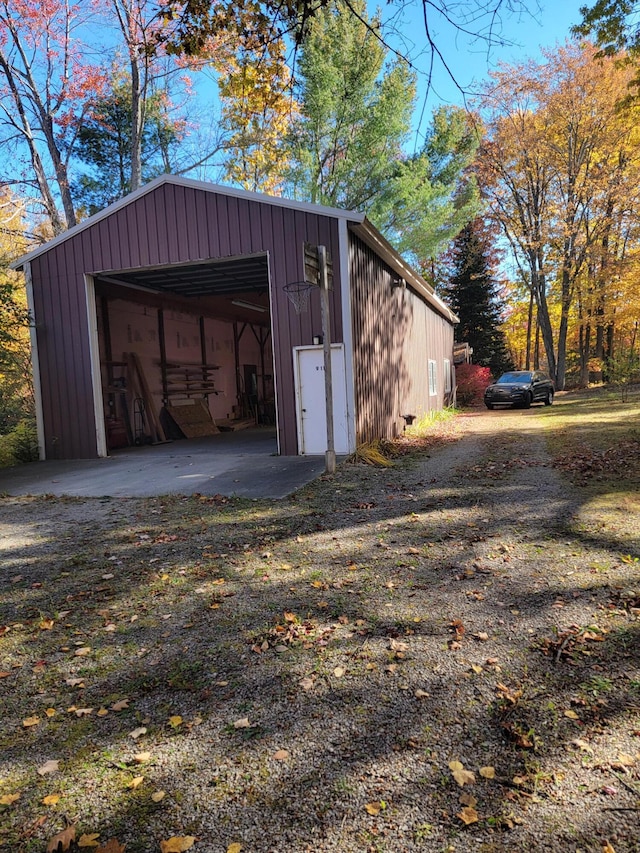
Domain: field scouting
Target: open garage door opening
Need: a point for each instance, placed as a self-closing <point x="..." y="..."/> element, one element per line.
<point x="185" y="350"/>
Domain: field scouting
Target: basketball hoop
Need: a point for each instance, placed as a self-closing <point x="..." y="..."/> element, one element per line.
<point x="298" y="293"/>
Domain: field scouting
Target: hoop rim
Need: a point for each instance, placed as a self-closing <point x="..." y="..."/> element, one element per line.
<point x="297" y="286"/>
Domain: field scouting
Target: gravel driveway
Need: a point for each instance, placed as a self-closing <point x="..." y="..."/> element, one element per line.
<point x="440" y="656"/>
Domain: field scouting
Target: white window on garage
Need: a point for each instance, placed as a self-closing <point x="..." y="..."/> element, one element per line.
<point x="433" y="378"/>
<point x="447" y="376"/>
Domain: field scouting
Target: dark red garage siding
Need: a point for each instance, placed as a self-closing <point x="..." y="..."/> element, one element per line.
<point x="171" y="223"/>
<point x="395" y="334"/>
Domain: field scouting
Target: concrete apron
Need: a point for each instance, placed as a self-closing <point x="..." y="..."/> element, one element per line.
<point x="243" y="464"/>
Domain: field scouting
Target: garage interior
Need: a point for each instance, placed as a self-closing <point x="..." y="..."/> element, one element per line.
<point x="185" y="350"/>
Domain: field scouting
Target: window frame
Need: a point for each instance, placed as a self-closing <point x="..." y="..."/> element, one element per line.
<point x="447" y="376"/>
<point x="432" y="372"/>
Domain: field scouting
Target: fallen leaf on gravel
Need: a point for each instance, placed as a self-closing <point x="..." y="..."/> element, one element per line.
<point x="30" y="721"/>
<point x="75" y="682"/>
<point x="135" y="782"/>
<point x="142" y="757"/>
<point x="398" y="645"/>
<point x="624" y="760"/>
<point x="462" y="776"/>
<point x="158" y="795"/>
<point x="481" y="635"/>
<point x="82" y="652"/>
<point x="281" y="755"/>
<point x="512" y="696"/>
<point x="51" y="799"/>
<point x="89" y="840"/>
<point x="175" y="721"/>
<point x="48" y="767"/>
<point x="468" y="800"/>
<point x="376" y="807"/>
<point x="339" y="671"/>
<point x="136" y="733"/>
<point x="392" y="667"/>
<point x="234" y="848"/>
<point x="468" y="815"/>
<point x="177" y="844"/>
<point x="242" y="723"/>
<point x="120" y="705"/>
<point x="50" y="712"/>
<point x="46" y="624"/>
<point x="112" y="846"/>
<point x="306" y="683"/>
<point x="9" y="799"/>
<point x="63" y="838"/>
<point x="571" y="715"/>
<point x="83" y="712"/>
<point x="102" y="712"/>
<point x="607" y="848"/>
<point x="421" y="694"/>
<point x="522" y="739"/>
<point x="4" y="674"/>
<point x="477" y="669"/>
<point x="488" y="772"/>
<point x="581" y="744"/>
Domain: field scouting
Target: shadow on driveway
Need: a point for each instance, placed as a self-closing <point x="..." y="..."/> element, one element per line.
<point x="244" y="464"/>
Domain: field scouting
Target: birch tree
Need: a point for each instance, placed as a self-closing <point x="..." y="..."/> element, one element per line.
<point x="47" y="87"/>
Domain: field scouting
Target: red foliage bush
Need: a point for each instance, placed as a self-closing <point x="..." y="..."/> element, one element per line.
<point x="471" y="380"/>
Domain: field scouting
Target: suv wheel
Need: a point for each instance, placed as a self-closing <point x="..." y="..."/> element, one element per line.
<point x="528" y="400"/>
<point x="549" y="400"/>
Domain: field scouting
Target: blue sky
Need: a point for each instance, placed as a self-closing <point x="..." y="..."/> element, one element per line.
<point x="470" y="60"/>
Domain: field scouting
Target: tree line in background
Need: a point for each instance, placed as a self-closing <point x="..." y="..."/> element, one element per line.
<point x="539" y="178"/>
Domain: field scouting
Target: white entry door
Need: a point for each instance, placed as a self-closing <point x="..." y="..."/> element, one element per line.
<point x="308" y="368"/>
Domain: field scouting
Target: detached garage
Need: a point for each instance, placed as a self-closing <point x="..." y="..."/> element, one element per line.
<point x="165" y="316"/>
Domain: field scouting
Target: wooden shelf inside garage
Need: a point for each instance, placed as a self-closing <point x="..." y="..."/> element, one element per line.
<point x="189" y="379"/>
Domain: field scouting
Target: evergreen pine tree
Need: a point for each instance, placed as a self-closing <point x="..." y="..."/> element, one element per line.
<point x="472" y="294"/>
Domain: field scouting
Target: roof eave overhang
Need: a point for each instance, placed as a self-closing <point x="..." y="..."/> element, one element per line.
<point x="374" y="239"/>
<point x="175" y="180"/>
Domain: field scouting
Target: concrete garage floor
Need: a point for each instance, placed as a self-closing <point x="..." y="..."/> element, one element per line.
<point x="231" y="463"/>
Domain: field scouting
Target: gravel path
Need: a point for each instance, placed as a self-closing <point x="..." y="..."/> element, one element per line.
<point x="308" y="672"/>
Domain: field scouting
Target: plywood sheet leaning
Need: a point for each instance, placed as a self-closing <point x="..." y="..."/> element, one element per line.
<point x="195" y="420"/>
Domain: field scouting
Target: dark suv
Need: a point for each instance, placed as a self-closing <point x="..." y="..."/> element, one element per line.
<point x="520" y="388"/>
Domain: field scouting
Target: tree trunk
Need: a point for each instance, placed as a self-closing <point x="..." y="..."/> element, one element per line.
<point x="43" y="185"/>
<point x="62" y="178"/>
<point x="136" y="126"/>
<point x="539" y="286"/>
<point x="585" y="346"/>
<point x="568" y="266"/>
<point x="527" y="365"/>
<point x="611" y="341"/>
